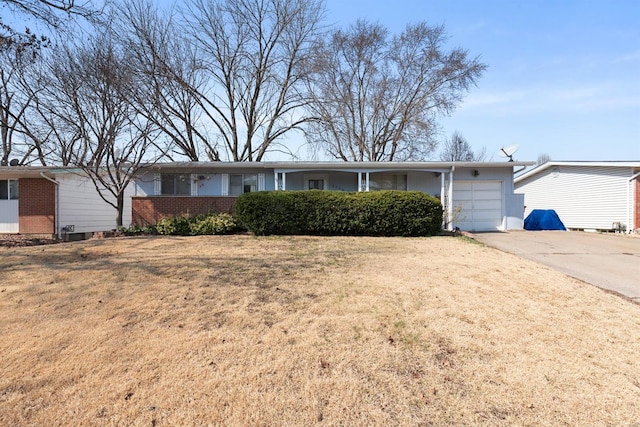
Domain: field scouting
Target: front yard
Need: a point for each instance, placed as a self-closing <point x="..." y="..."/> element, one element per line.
<point x="238" y="330"/>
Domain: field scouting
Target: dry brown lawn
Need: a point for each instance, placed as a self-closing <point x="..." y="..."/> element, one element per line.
<point x="238" y="330"/>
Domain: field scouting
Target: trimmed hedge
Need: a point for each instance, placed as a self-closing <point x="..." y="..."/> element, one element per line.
<point x="379" y="213"/>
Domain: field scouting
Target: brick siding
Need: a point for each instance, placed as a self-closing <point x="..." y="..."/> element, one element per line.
<point x="149" y="210"/>
<point x="37" y="206"/>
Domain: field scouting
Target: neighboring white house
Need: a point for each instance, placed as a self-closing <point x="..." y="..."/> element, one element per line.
<point x="586" y="195"/>
<point x="54" y="201"/>
<point x="477" y="196"/>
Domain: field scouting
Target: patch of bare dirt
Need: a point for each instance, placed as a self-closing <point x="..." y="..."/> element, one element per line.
<point x="14" y="240"/>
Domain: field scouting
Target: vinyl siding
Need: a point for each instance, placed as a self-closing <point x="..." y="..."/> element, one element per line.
<point x="80" y="205"/>
<point x="584" y="197"/>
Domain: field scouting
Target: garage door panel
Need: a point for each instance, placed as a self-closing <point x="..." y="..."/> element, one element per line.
<point x="486" y="186"/>
<point x="495" y="205"/>
<point x="463" y="204"/>
<point x="480" y="215"/>
<point x="463" y="195"/>
<point x="463" y="186"/>
<point x="485" y="195"/>
<point x="488" y="225"/>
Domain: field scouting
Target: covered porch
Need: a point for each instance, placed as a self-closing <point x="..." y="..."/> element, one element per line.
<point x="436" y="181"/>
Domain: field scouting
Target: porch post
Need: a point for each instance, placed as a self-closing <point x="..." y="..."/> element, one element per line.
<point x="367" y="181"/>
<point x="443" y="196"/>
<point x="450" y="201"/>
<point x="284" y="180"/>
<point x="359" y="182"/>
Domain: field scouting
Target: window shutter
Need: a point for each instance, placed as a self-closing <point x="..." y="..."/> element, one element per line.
<point x="194" y="184"/>
<point x="260" y="182"/>
<point x="157" y="184"/>
<point x="225" y="184"/>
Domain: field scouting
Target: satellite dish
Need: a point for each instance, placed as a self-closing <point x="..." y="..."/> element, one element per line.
<point x="508" y="151"/>
<point x="14" y="162"/>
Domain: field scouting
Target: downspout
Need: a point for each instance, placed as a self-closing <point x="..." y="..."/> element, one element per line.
<point x="56" y="220"/>
<point x="450" y="201"/>
<point x="630" y="224"/>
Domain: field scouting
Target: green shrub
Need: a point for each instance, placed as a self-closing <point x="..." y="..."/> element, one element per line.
<point x="174" y="226"/>
<point x="134" y="230"/>
<point x="206" y="224"/>
<point x="222" y="223"/>
<point x="380" y="213"/>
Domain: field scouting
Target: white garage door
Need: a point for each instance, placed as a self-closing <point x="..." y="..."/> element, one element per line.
<point x="9" y="216"/>
<point x="477" y="205"/>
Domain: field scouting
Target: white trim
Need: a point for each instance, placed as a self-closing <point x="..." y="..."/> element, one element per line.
<point x="631" y="205"/>
<point x="194" y="184"/>
<point x="548" y="165"/>
<point x="157" y="184"/>
<point x="224" y="178"/>
<point x="450" y="200"/>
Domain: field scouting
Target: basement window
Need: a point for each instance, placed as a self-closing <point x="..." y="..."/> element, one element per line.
<point x="8" y="189"/>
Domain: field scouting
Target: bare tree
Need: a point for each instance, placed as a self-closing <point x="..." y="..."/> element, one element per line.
<point x="14" y="101"/>
<point x="255" y="53"/>
<point x="169" y="78"/>
<point x="543" y="158"/>
<point x="92" y="86"/>
<point x="53" y="13"/>
<point x="377" y="97"/>
<point x="457" y="149"/>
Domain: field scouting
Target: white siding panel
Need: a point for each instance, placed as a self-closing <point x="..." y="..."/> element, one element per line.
<point x="80" y="205"/>
<point x="584" y="197"/>
<point x="9" y="220"/>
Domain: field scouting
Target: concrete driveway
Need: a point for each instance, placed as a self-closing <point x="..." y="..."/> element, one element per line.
<point x="609" y="261"/>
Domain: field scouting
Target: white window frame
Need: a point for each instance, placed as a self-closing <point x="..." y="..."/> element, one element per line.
<point x="10" y="194"/>
<point x="226" y="182"/>
<point x="158" y="184"/>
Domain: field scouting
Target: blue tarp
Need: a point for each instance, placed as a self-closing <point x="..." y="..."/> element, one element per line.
<point x="541" y="219"/>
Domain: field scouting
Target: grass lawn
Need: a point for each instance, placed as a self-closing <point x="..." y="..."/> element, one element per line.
<point x="238" y="330"/>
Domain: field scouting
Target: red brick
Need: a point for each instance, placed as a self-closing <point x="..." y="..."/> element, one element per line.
<point x="149" y="210"/>
<point x="37" y="206"/>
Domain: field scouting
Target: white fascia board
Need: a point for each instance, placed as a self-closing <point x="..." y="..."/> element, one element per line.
<point x="334" y="166"/>
<point x="547" y="165"/>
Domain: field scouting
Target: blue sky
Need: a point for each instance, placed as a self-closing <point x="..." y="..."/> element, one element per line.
<point x="563" y="76"/>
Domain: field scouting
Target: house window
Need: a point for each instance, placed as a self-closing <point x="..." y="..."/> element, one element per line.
<point x="8" y="189"/>
<point x="387" y="181"/>
<point x="175" y="184"/>
<point x="240" y="184"/>
<point x="316" y="184"/>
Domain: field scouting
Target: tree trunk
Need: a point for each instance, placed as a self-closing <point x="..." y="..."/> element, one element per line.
<point x="120" y="204"/>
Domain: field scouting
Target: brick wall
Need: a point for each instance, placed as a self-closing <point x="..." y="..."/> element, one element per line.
<point x="149" y="210"/>
<point x="37" y="206"/>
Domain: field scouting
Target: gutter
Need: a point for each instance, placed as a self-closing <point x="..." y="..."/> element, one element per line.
<point x="57" y="209"/>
